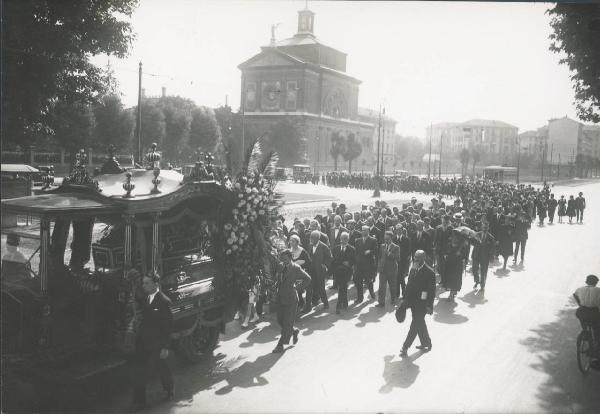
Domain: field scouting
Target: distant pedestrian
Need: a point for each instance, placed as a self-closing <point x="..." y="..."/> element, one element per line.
<point x="552" y="203"/>
<point x="579" y="207"/>
<point x="562" y="208"/>
<point x="571" y="209"/>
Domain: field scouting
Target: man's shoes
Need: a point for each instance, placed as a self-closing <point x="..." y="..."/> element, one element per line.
<point x="278" y="349"/>
<point x="326" y="306"/>
<point x="357" y="302"/>
<point x="306" y="309"/>
<point x="424" y="348"/>
<point x="337" y="311"/>
<point x="404" y="353"/>
<point x="475" y="285"/>
<point x="255" y="319"/>
<point x="295" y="336"/>
<point x="380" y="305"/>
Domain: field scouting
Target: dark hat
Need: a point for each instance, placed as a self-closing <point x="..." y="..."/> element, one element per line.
<point x="591" y="280"/>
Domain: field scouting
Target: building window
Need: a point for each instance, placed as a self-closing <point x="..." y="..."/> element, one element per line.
<point x="250" y="96"/>
<point x="270" y="97"/>
<point x="291" y="95"/>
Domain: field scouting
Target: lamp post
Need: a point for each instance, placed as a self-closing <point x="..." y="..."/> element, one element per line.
<point x="440" y="160"/>
<point x="377" y="192"/>
<point x="429" y="163"/>
<point x="317" y="154"/>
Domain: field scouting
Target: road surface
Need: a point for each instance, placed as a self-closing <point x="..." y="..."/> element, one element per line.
<point x="512" y="351"/>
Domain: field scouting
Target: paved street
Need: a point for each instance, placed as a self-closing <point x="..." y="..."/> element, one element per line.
<point x="512" y="351"/>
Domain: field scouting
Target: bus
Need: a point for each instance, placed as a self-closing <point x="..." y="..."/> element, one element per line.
<point x="500" y="174"/>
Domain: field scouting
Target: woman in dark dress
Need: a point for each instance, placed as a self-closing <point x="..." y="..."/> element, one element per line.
<point x="505" y="240"/>
<point x="562" y="208"/>
<point x="454" y="264"/>
<point x="571" y="208"/>
<point x="300" y="257"/>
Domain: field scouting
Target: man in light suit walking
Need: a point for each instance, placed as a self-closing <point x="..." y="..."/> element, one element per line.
<point x="320" y="261"/>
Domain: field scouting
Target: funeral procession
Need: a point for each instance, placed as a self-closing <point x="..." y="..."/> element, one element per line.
<point x="223" y="206"/>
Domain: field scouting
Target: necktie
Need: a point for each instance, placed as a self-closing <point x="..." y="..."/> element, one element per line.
<point x="149" y="299"/>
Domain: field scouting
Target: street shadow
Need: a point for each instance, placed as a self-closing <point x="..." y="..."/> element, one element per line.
<point x="249" y="374"/>
<point x="565" y="388"/>
<point x="373" y="315"/>
<point x="352" y="311"/>
<point x="501" y="272"/>
<point x="401" y="373"/>
<point x="444" y="312"/>
<point x="474" y="298"/>
<point x="321" y="320"/>
<point x="262" y="334"/>
<point x="517" y="267"/>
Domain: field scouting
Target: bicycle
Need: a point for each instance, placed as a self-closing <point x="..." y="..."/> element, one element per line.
<point x="586" y="349"/>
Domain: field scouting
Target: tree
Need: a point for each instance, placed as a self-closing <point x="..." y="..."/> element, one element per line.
<point x="46" y="48"/>
<point x="113" y="124"/>
<point x="464" y="160"/>
<point x="338" y="147"/>
<point x="73" y="125"/>
<point x="285" y="138"/>
<point x="204" y="130"/>
<point x="153" y="125"/>
<point x="353" y="150"/>
<point x="577" y="34"/>
<point x="178" y="117"/>
<point x="476" y="155"/>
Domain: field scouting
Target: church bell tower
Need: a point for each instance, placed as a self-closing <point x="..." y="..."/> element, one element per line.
<point x="306" y="21"/>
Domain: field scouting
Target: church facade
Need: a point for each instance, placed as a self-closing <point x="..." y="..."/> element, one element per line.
<point x="306" y="80"/>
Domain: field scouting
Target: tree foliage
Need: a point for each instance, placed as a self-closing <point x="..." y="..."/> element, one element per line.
<point x="577" y="34"/>
<point x="73" y="125"/>
<point x="464" y="157"/>
<point x="113" y="124"/>
<point x="338" y="147"/>
<point x="285" y="138"/>
<point x="204" y="130"/>
<point x="353" y="150"/>
<point x="46" y="50"/>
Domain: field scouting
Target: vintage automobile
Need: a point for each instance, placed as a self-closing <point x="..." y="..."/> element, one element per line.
<point x="71" y="313"/>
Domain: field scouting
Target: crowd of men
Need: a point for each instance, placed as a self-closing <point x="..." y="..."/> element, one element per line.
<point x="484" y="221"/>
<point x="392" y="183"/>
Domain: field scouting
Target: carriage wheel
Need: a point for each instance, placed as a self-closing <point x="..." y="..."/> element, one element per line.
<point x="200" y="343"/>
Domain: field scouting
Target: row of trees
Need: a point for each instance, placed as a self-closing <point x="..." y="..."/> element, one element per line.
<point x="349" y="148"/>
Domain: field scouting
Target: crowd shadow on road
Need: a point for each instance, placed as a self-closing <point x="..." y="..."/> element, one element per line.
<point x="249" y="374"/>
<point x="263" y="334"/>
<point x="565" y="389"/>
<point x="500" y="272"/>
<point x="401" y="373"/>
<point x="444" y="312"/>
<point x="474" y="298"/>
<point x="373" y="315"/>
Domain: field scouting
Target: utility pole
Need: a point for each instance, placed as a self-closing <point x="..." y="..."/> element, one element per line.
<point x="440" y="166"/>
<point x="544" y="159"/>
<point x="558" y="169"/>
<point x="139" y="118"/>
<point x="551" y="152"/>
<point x="430" y="139"/>
<point x="518" y="158"/>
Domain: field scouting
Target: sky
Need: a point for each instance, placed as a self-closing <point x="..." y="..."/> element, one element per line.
<point x="426" y="62"/>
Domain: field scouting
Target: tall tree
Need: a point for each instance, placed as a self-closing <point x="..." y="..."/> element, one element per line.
<point x="46" y="51"/>
<point x="353" y="150"/>
<point x="285" y="138"/>
<point x="204" y="130"/>
<point x="476" y="155"/>
<point x="73" y="125"/>
<point x="113" y="124"/>
<point x="178" y="117"/>
<point x="153" y="125"/>
<point x="577" y="34"/>
<point x="338" y="147"/>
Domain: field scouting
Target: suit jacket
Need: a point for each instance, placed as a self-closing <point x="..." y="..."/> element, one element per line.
<point x="154" y="332"/>
<point x="424" y="243"/>
<point x="378" y="234"/>
<point x="343" y="271"/>
<point x="320" y="260"/>
<point x="388" y="259"/>
<point x="484" y="249"/>
<point x="442" y="238"/>
<point x="332" y="238"/>
<point x="366" y="262"/>
<point x="420" y="288"/>
<point x="287" y="294"/>
<point x="355" y="234"/>
<point x="405" y="248"/>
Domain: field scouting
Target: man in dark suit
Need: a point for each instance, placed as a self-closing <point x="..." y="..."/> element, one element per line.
<point x="442" y="242"/>
<point x="374" y="230"/>
<point x="419" y="296"/>
<point x="352" y="232"/>
<point x="343" y="260"/>
<point x="314" y="226"/>
<point x="366" y="267"/>
<point x="287" y="298"/>
<point x="152" y="341"/>
<point x="552" y="203"/>
<point x="422" y="241"/>
<point x="320" y="261"/>
<point x="336" y="231"/>
<point x="389" y="254"/>
<point x="483" y="252"/>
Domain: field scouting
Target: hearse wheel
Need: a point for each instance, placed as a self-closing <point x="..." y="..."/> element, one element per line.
<point x="200" y="343"/>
